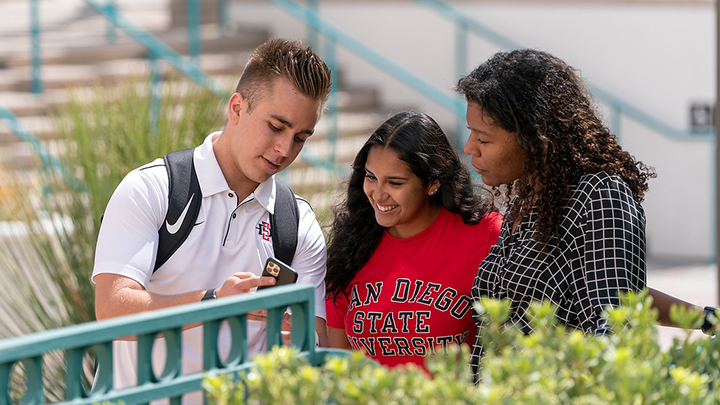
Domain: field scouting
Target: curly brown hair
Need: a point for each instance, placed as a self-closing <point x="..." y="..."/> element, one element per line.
<point x="542" y="100"/>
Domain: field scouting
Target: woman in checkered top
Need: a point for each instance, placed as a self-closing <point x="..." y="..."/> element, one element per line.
<point x="574" y="229"/>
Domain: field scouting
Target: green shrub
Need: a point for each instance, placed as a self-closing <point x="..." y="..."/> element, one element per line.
<point x="554" y="365"/>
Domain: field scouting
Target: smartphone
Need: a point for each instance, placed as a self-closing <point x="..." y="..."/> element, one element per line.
<point x="283" y="273"/>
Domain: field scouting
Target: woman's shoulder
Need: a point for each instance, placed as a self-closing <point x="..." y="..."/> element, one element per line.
<point x="491" y="222"/>
<point x="600" y="190"/>
<point x="593" y="182"/>
<point x="599" y="179"/>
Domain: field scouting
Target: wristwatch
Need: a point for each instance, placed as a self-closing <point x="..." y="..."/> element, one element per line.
<point x="209" y="295"/>
<point x="707" y="326"/>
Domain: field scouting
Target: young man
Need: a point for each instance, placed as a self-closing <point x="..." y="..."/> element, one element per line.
<point x="277" y="103"/>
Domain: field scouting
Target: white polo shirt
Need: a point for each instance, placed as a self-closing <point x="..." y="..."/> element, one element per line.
<point x="229" y="236"/>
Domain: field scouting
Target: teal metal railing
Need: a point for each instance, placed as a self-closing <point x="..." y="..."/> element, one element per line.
<point x="26" y="136"/>
<point x="36" y="62"/>
<point x="334" y="36"/>
<point x="75" y="342"/>
<point x="337" y="36"/>
<point x="464" y="25"/>
<point x="617" y="106"/>
<point x="186" y="66"/>
<point x="158" y="50"/>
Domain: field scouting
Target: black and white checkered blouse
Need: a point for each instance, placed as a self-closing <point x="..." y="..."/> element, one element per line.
<point x="601" y="251"/>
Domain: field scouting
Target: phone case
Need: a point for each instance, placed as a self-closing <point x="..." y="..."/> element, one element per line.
<point x="283" y="273"/>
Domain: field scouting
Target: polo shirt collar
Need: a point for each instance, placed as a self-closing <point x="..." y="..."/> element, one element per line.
<point x="212" y="181"/>
<point x="265" y="194"/>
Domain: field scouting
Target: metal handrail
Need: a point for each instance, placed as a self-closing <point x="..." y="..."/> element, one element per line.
<point x="77" y="340"/>
<point x="157" y="49"/>
<point x="37" y="145"/>
<point x="448" y="100"/>
<point x="186" y="66"/>
<point x="615" y="103"/>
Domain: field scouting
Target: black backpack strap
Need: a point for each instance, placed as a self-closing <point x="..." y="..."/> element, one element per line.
<point x="184" y="200"/>
<point x="284" y="224"/>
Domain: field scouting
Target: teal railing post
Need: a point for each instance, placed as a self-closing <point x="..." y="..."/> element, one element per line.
<point x="155" y="92"/>
<point x="460" y="49"/>
<point x="312" y="34"/>
<point x="26" y="136"/>
<point x="36" y="83"/>
<point x="194" y="18"/>
<point x="33" y="371"/>
<point x="153" y="44"/>
<point x="332" y="105"/>
<point x="441" y="96"/>
<point x="460" y="70"/>
<point x="223" y="11"/>
<point x="615" y="117"/>
<point x="73" y="368"/>
<point x="111" y="32"/>
<point x="5" y="376"/>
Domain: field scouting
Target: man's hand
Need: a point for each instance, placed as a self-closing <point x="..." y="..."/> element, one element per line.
<point x="261" y="315"/>
<point x="320" y="328"/>
<point x="117" y="295"/>
<point x="241" y="283"/>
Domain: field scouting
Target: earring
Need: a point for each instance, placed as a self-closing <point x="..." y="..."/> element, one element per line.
<point x="433" y="192"/>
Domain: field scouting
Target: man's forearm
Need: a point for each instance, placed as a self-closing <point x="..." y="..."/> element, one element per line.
<point x="321" y="330"/>
<point x="128" y="302"/>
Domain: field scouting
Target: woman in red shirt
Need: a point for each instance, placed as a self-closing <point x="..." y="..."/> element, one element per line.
<point x="405" y="246"/>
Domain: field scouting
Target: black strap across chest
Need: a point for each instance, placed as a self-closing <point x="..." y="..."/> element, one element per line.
<point x="185" y="199"/>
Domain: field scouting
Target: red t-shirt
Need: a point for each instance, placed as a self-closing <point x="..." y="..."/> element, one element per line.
<point x="413" y="295"/>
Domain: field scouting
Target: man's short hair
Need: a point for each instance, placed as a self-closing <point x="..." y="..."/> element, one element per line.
<point x="290" y="60"/>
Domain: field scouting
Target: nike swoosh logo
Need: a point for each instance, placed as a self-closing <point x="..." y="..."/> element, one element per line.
<point x="172" y="229"/>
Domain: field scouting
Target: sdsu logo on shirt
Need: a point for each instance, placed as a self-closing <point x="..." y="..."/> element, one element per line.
<point x="264" y="231"/>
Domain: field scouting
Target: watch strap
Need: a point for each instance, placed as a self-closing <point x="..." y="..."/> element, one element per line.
<point x="209" y="295"/>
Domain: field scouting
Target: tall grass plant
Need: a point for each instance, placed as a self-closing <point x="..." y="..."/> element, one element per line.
<point x="51" y="218"/>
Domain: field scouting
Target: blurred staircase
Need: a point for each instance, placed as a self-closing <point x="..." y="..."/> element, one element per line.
<point x="76" y="54"/>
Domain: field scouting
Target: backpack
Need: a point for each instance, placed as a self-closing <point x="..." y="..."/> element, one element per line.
<point x="184" y="202"/>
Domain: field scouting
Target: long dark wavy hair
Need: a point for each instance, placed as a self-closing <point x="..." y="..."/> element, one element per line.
<point x="544" y="102"/>
<point x="423" y="146"/>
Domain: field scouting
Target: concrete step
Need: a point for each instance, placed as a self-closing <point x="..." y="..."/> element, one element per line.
<point x="61" y="76"/>
<point x="89" y="49"/>
<point x="65" y="16"/>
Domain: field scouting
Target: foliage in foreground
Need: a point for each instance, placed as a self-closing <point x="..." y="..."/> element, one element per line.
<point x="552" y="366"/>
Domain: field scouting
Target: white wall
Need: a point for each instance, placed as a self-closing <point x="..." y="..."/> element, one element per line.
<point x="658" y="57"/>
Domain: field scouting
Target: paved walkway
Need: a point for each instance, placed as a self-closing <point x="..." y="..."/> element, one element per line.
<point x="693" y="283"/>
